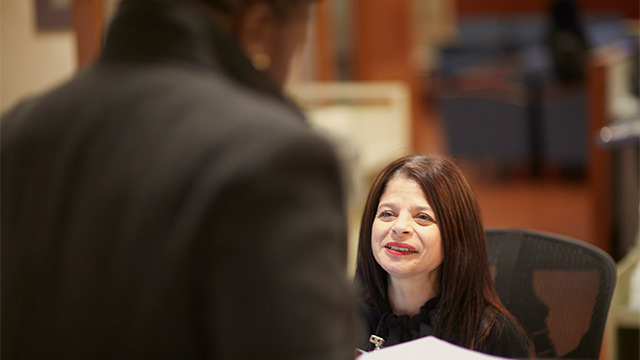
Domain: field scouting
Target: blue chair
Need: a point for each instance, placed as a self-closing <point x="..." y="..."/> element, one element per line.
<point x="485" y="128"/>
<point x="565" y="126"/>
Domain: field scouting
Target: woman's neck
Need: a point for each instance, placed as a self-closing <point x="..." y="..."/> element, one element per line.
<point x="407" y="296"/>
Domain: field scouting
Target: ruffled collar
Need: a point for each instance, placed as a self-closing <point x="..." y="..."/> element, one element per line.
<point x="395" y="329"/>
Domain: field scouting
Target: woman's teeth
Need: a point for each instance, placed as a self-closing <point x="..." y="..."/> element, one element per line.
<point x="398" y="248"/>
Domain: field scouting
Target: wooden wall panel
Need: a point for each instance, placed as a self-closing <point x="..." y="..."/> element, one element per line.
<point x="599" y="172"/>
<point x="382" y="49"/>
<point x="325" y="52"/>
<point x="87" y="18"/>
<point x="382" y="40"/>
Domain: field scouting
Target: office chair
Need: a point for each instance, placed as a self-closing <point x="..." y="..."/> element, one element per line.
<point x="559" y="289"/>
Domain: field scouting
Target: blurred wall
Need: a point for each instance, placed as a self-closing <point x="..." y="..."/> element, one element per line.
<point x="30" y="61"/>
<point x="627" y="8"/>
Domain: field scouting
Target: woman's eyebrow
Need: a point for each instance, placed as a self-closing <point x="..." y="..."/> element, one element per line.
<point x="382" y="205"/>
<point x="416" y="208"/>
<point x="386" y="204"/>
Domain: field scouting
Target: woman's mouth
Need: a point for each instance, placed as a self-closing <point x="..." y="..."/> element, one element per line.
<point x="402" y="250"/>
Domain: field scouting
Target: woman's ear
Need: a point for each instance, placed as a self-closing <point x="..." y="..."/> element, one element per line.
<point x="254" y="30"/>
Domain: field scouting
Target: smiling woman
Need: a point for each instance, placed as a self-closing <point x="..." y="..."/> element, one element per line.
<point x="406" y="242"/>
<point x="422" y="261"/>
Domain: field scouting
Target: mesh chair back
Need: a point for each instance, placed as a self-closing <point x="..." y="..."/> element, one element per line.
<point x="558" y="288"/>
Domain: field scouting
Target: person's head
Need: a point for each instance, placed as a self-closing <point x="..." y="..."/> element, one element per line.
<point x="270" y="31"/>
<point x="463" y="276"/>
<point x="405" y="238"/>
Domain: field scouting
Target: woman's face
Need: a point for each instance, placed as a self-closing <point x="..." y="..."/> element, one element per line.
<point x="405" y="238"/>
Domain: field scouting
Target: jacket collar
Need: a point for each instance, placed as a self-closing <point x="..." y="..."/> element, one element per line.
<point x="150" y="31"/>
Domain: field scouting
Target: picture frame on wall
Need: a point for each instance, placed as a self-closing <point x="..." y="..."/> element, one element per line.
<point x="53" y="14"/>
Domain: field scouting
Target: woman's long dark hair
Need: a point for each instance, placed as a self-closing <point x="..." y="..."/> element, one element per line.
<point x="468" y="305"/>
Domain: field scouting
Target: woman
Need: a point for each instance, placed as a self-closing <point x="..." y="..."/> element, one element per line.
<point x="184" y="208"/>
<point x="422" y="261"/>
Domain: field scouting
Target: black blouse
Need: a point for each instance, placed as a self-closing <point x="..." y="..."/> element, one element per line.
<point x="504" y="340"/>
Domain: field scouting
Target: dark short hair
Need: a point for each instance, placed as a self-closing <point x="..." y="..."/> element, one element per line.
<point x="281" y="7"/>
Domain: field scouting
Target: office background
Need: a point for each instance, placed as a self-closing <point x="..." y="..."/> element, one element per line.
<point x="380" y="77"/>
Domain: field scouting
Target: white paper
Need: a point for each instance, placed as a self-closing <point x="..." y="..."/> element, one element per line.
<point x="426" y="348"/>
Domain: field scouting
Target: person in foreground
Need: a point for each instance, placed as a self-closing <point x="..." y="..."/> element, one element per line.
<point x="422" y="262"/>
<point x="169" y="202"/>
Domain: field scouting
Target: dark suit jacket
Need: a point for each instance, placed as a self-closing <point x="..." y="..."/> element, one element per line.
<point x="168" y="202"/>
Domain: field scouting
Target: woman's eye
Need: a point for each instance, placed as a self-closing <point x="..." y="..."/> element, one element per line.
<point x="425" y="217"/>
<point x="385" y="214"/>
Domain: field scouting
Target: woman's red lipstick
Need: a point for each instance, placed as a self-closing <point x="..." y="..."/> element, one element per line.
<point x="400" y="249"/>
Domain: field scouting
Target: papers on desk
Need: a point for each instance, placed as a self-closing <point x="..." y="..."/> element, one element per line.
<point x="426" y="348"/>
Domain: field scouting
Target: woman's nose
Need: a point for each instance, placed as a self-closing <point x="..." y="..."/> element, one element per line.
<point x="401" y="226"/>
